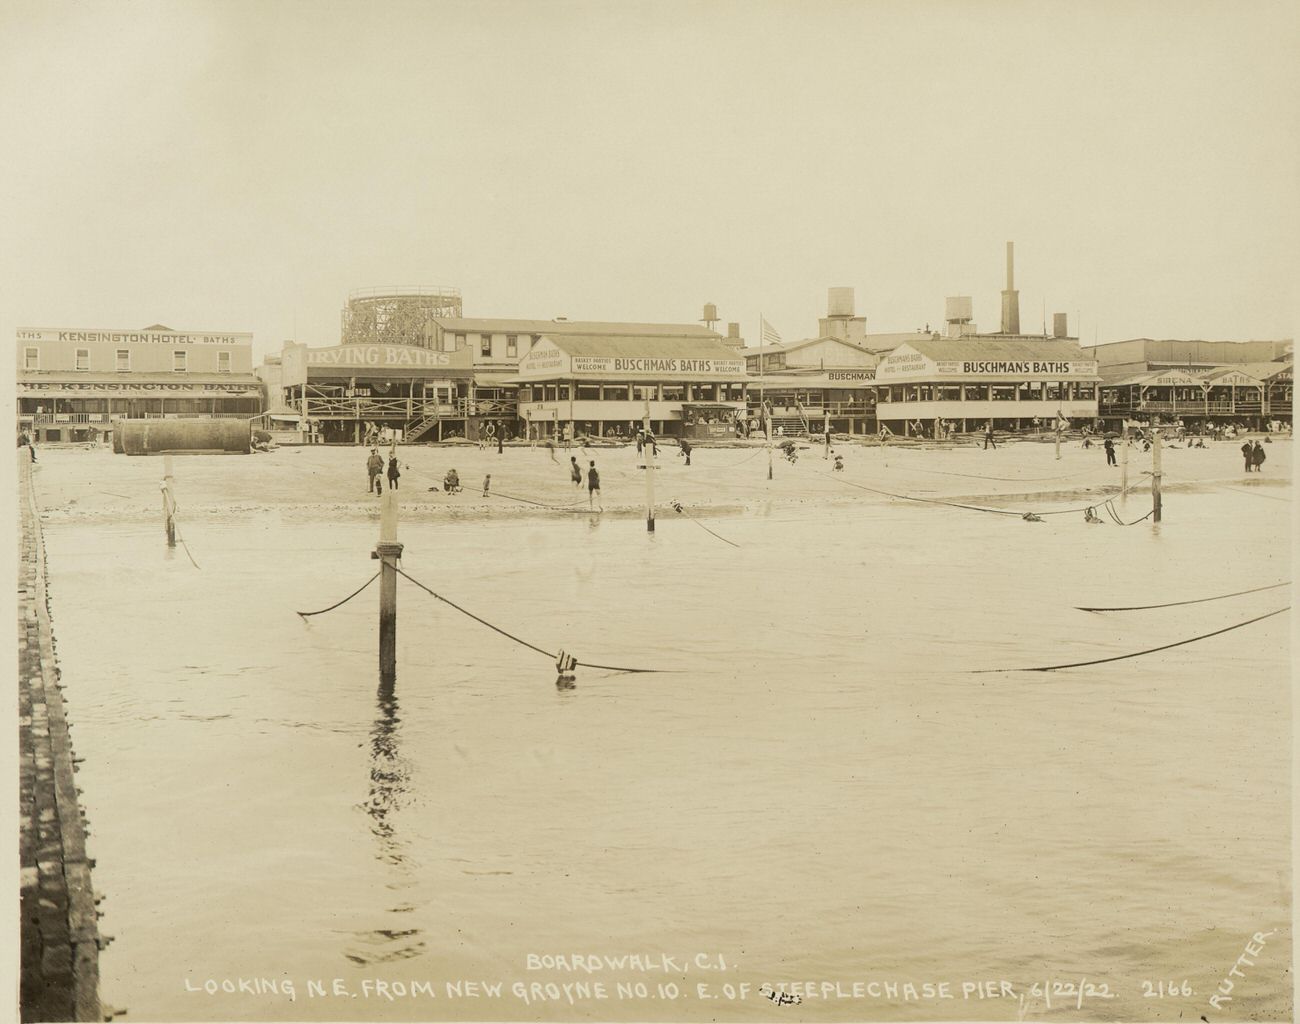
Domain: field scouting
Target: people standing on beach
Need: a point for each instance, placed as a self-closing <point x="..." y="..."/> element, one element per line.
<point x="375" y="466"/>
<point x="487" y="484"/>
<point x="501" y="436"/>
<point x="1109" y="445"/>
<point x="988" y="437"/>
<point x="1248" y="453"/>
<point x="393" y="473"/>
<point x="686" y="449"/>
<point x="828" y="442"/>
<point x="575" y="471"/>
<point x="1258" y="457"/>
<point x="593" y="487"/>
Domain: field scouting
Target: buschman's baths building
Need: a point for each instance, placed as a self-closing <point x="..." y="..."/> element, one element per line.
<point x="964" y="385"/>
<point x="600" y="385"/>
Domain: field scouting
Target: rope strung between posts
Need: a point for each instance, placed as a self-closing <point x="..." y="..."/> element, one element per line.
<point x="677" y="506"/>
<point x="354" y="593"/>
<point x="511" y="636"/>
<point x="1175" y="604"/>
<point x="1135" y="654"/>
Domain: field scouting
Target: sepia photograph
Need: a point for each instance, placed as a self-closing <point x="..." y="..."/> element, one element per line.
<point x="619" y="511"/>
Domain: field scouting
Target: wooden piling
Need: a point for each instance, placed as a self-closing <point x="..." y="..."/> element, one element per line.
<point x="1123" y="463"/>
<point x="647" y="451"/>
<point x="169" y="501"/>
<point x="1155" y="476"/>
<point x="388" y="551"/>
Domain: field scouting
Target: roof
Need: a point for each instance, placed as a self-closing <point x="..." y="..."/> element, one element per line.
<point x="572" y="327"/>
<point x="792" y="346"/>
<point x="972" y="349"/>
<point x="1260" y="371"/>
<point x="160" y="377"/>
<point x="709" y="347"/>
<point x="1203" y="375"/>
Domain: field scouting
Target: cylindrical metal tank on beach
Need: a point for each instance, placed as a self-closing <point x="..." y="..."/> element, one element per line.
<point x="152" y="437"/>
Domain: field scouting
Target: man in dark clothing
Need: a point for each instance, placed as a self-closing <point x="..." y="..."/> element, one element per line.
<point x="393" y="473"/>
<point x="988" y="437"/>
<point x="686" y="450"/>
<point x="1109" y="445"/>
<point x="1248" y="453"/>
<point x="593" y="487"/>
<point x="375" y="466"/>
<point x="1258" y="457"/>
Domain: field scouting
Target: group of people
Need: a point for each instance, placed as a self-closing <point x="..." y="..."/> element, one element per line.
<point x="25" y="441"/>
<point x="1254" y="456"/>
<point x="593" y="481"/>
<point x="375" y="466"/>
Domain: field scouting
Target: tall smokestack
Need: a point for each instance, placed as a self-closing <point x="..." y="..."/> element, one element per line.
<point x="1011" y="297"/>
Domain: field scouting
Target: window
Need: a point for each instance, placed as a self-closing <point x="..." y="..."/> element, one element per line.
<point x="512" y="346"/>
<point x="615" y="393"/>
<point x="83" y="359"/>
<point x="1054" y="392"/>
<point x="123" y="360"/>
<point x="1003" y="392"/>
<point x="1086" y="391"/>
<point x="179" y="357"/>
<point x="460" y="342"/>
<point x="588" y="392"/>
<point x="674" y="392"/>
<point x="947" y="392"/>
<point x="485" y="344"/>
<point x="448" y="342"/>
<point x="525" y="394"/>
<point x="643" y="391"/>
<point x="563" y="393"/>
<point x="223" y="362"/>
<point x="977" y="392"/>
<point x="32" y="359"/>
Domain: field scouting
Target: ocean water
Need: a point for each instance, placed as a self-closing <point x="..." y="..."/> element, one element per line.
<point x="818" y="790"/>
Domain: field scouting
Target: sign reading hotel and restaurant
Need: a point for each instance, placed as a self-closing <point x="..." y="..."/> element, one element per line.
<point x="81" y="337"/>
<point x="547" y="360"/>
<point x="905" y="363"/>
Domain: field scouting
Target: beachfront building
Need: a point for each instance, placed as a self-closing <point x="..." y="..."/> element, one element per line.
<point x="935" y="387"/>
<point x="1203" y="384"/>
<point x="1255" y="396"/>
<point x="602" y="385"/>
<point x="804" y="385"/>
<point x="495" y="347"/>
<point x="73" y="383"/>
<point x="348" y="393"/>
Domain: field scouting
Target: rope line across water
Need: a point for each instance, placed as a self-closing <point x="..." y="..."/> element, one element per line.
<point x="344" y="601"/>
<point x="1175" y="604"/>
<point x="1135" y="654"/>
<point x="511" y="636"/>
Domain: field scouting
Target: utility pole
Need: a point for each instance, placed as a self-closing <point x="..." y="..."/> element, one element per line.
<point x="1123" y="462"/>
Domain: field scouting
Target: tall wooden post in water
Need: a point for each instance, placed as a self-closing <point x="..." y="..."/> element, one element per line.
<point x="647" y="453"/>
<point x="388" y="551"/>
<point x="1155" y="476"/>
<point x="169" y="500"/>
<point x="1123" y="463"/>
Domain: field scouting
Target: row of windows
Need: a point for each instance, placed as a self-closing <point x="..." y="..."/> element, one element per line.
<point x="180" y="360"/>
<point x="1032" y="391"/>
<point x="632" y="392"/>
<point x="456" y="342"/>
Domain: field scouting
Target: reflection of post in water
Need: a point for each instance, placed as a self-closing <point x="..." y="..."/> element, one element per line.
<point x="389" y="774"/>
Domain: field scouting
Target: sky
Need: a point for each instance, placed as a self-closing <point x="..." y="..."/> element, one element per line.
<point x="241" y="166"/>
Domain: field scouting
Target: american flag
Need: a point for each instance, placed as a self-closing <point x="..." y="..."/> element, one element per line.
<point x="770" y="335"/>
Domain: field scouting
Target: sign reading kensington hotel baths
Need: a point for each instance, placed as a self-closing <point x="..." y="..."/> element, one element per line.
<point x="907" y="364"/>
